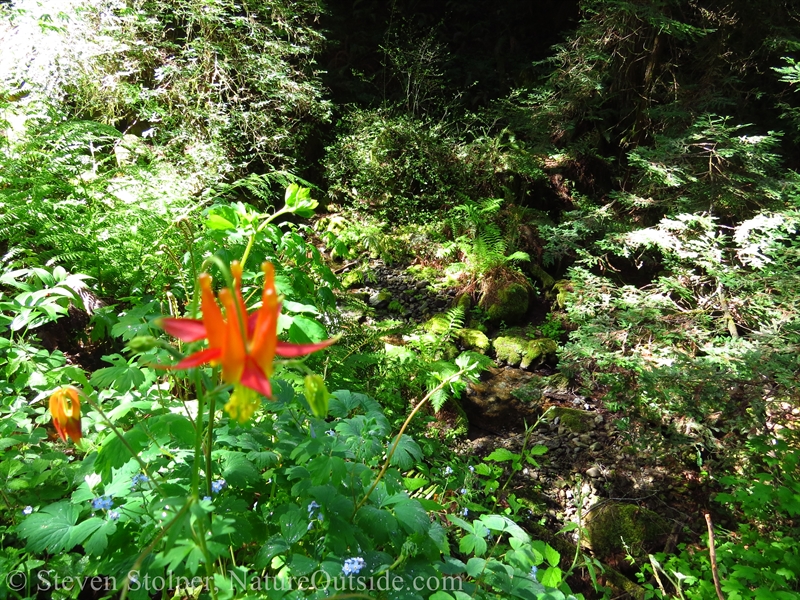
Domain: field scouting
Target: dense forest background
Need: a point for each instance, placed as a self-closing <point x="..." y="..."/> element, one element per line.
<point x="557" y="244"/>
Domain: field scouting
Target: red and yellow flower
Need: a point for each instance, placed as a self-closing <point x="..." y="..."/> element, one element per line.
<point x="65" y="406"/>
<point x="244" y="345"/>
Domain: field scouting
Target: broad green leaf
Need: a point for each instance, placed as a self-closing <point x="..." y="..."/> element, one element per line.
<point x="97" y="543"/>
<point x="502" y="454"/>
<point x="317" y="395"/>
<point x="475" y="566"/>
<point x="294" y="525"/>
<point x="305" y="330"/>
<point x="302" y="565"/>
<point x="552" y="577"/>
<point x="50" y="529"/>
<point x="407" y="454"/>
<point x="114" y="453"/>
<point x="551" y="555"/>
<point x="215" y="221"/>
<point x="412" y="516"/>
<point x="275" y="545"/>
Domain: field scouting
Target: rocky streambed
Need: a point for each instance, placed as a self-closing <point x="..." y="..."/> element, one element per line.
<point x="626" y="487"/>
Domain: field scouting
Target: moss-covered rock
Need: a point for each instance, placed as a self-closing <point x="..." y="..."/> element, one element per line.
<point x="438" y="324"/>
<point x="520" y="352"/>
<point x="352" y="279"/>
<point x="510" y="304"/>
<point x="558" y="294"/>
<point x="380" y="299"/>
<point x="614" y="527"/>
<point x="577" y="421"/>
<point x="464" y="301"/>
<point x="472" y="339"/>
<point x="545" y="279"/>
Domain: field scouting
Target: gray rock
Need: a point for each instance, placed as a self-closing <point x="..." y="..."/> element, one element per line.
<point x="594" y="472"/>
<point x="380" y="299"/>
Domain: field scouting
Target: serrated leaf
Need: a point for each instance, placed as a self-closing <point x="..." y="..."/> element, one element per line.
<point x="412" y="516"/>
<point x="407" y="454"/>
<point x="49" y="529"/>
<point x="273" y="547"/>
<point x="551" y="555"/>
<point x="475" y="566"/>
<point x="552" y="577"/>
<point x="502" y="454"/>
<point x="97" y="543"/>
<point x="305" y="330"/>
<point x="380" y="523"/>
<point x="294" y="526"/>
<point x="302" y="565"/>
<point x="114" y="453"/>
<point x="215" y="221"/>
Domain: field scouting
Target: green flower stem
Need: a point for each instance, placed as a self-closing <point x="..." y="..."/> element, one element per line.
<point x="419" y="405"/>
<point x="528" y="432"/>
<point x="198" y="435"/>
<point x="212" y="408"/>
<point x="146" y="552"/>
<point x="122" y="439"/>
<point x="267" y="221"/>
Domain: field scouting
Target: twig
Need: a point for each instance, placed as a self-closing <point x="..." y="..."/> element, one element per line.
<point x="713" y="555"/>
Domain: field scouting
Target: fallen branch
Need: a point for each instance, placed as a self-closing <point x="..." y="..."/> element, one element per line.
<point x="713" y="555"/>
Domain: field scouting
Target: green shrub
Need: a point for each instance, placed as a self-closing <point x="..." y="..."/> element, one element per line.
<point x="403" y="168"/>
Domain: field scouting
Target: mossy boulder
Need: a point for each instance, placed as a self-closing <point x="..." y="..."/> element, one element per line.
<point x="464" y="301"/>
<point x="520" y="352"/>
<point x="613" y="526"/>
<point x="509" y="305"/>
<point x="380" y="299"/>
<point x="558" y="293"/>
<point x="472" y="339"/>
<point x="576" y="420"/>
<point x="545" y="279"/>
<point x="352" y="279"/>
<point x="438" y="324"/>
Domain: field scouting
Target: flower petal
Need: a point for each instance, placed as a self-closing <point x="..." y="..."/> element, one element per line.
<point x="254" y="378"/>
<point x="212" y="315"/>
<point x="198" y="358"/>
<point x="287" y="350"/>
<point x="188" y="330"/>
<point x="234" y="348"/>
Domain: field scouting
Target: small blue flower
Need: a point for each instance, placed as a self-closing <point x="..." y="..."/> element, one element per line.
<point x="138" y="479"/>
<point x="320" y="517"/>
<point x="330" y="432"/>
<point x="463" y="491"/>
<point x="471" y="469"/>
<point x="207" y="498"/>
<point x="27" y="510"/>
<point x="113" y="515"/>
<point x="352" y="566"/>
<point x="310" y="525"/>
<point x="534" y="570"/>
<point x="102" y="503"/>
<point x="216" y="486"/>
<point x="448" y="471"/>
<point x="312" y="506"/>
<point x="465" y="512"/>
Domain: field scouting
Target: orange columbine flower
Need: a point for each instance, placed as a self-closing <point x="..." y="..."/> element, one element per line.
<point x="65" y="406"/>
<point x="245" y="345"/>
